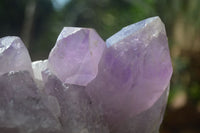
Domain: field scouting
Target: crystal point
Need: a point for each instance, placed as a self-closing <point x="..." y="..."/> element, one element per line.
<point x="76" y="55"/>
<point x="13" y="55"/>
<point x="38" y="68"/>
<point x="134" y="72"/>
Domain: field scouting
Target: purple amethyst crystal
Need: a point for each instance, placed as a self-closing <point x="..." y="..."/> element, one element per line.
<point x="13" y="55"/>
<point x="76" y="55"/>
<point x="133" y="74"/>
<point x="87" y="85"/>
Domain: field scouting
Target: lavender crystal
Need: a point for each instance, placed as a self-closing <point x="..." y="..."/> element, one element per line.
<point x="13" y="55"/>
<point x="76" y="55"/>
<point x="134" y="73"/>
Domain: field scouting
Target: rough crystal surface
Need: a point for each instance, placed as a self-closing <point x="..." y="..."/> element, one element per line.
<point x="21" y="107"/>
<point x="78" y="114"/>
<point x="133" y="73"/>
<point x="13" y="55"/>
<point x="76" y="55"/>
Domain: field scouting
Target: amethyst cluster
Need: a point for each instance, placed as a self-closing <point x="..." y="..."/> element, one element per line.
<point x="87" y="85"/>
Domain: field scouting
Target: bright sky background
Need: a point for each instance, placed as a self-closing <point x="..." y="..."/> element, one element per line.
<point x="59" y="4"/>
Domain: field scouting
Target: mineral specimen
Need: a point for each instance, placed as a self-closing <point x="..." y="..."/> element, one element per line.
<point x="133" y="74"/>
<point x="76" y="55"/>
<point x="13" y="55"/>
<point x="87" y="85"/>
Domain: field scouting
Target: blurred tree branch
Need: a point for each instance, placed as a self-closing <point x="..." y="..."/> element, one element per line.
<point x="28" y="21"/>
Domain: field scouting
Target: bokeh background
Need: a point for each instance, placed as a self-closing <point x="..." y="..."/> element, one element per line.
<point x="38" y="23"/>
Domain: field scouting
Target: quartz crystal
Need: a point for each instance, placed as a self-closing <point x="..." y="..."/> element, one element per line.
<point x="134" y="72"/>
<point x="13" y="55"/>
<point x="76" y="55"/>
<point x="87" y="85"/>
<point x="38" y="68"/>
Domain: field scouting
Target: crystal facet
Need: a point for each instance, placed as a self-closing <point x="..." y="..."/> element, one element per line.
<point x="13" y="55"/>
<point x="76" y="55"/>
<point x="133" y="73"/>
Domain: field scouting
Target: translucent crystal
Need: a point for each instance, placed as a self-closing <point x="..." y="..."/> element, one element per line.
<point x="38" y="67"/>
<point x="13" y="55"/>
<point x="76" y="55"/>
<point x="134" y="73"/>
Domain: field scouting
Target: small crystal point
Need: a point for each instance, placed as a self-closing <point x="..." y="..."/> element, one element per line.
<point x="76" y="55"/>
<point x="14" y="55"/>
<point x="38" y="68"/>
<point x="134" y="72"/>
